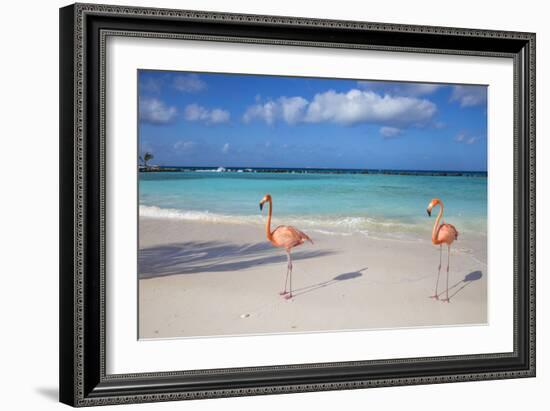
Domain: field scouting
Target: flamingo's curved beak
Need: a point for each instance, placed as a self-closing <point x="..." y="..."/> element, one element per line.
<point x="261" y="206"/>
<point x="429" y="212"/>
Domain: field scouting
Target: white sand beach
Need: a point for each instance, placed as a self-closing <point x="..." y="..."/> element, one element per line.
<point x="206" y="279"/>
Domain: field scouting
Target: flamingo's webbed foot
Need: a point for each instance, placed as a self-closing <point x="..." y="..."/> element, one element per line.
<point x="446" y="300"/>
<point x="283" y="292"/>
<point x="288" y="296"/>
<point x="435" y="297"/>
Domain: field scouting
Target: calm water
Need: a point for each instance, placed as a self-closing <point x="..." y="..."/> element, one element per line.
<point x="372" y="204"/>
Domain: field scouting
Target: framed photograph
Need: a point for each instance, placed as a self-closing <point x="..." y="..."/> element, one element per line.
<point x="261" y="204"/>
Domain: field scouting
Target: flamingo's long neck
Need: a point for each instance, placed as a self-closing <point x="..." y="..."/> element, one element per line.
<point x="436" y="225"/>
<point x="268" y="224"/>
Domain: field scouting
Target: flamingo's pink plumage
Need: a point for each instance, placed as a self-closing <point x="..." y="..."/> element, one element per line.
<point x="442" y="234"/>
<point x="286" y="237"/>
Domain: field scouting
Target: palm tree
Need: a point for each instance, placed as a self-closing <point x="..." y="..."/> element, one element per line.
<point x="146" y="157"/>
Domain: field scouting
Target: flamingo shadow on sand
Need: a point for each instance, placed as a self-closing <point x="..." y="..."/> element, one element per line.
<point x="465" y="282"/>
<point x="333" y="281"/>
<point x="211" y="256"/>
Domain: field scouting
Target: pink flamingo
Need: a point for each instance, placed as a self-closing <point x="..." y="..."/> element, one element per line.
<point x="284" y="236"/>
<point x="442" y="234"/>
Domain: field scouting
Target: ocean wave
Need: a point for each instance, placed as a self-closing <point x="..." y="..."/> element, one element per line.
<point x="326" y="232"/>
<point x="191" y="215"/>
<point x="328" y="225"/>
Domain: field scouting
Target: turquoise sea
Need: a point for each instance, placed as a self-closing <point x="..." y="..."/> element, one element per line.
<point x="340" y="202"/>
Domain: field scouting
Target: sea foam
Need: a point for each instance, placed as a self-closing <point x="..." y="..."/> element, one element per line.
<point x="328" y="225"/>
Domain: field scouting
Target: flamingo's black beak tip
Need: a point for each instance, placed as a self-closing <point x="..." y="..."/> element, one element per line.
<point x="429" y="213"/>
<point x="261" y="206"/>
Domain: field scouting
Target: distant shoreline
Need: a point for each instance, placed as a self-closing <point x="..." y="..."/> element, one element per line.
<point x="282" y="170"/>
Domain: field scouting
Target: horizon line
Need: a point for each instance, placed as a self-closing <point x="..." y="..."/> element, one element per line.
<point x="323" y="168"/>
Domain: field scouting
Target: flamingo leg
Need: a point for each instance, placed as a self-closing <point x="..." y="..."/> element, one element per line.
<point x="288" y="267"/>
<point x="436" y="296"/>
<point x="446" y="299"/>
<point x="289" y="295"/>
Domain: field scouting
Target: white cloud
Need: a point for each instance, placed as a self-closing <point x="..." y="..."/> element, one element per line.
<point x="354" y="107"/>
<point x="469" y="96"/>
<point x="219" y="116"/>
<point x="151" y="85"/>
<point x="184" y="145"/>
<point x="293" y="108"/>
<point x="265" y="112"/>
<point x="389" y="132"/>
<point x="195" y="112"/>
<point x="421" y="89"/>
<point x="154" y="111"/>
<point x="401" y="89"/>
<point x="289" y="109"/>
<point x="465" y="138"/>
<point x="357" y="106"/>
<point x="189" y="83"/>
<point x="225" y="148"/>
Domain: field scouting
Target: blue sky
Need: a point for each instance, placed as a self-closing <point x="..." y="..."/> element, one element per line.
<point x="206" y="119"/>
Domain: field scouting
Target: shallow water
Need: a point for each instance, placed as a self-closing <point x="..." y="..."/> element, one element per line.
<point x="334" y="203"/>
